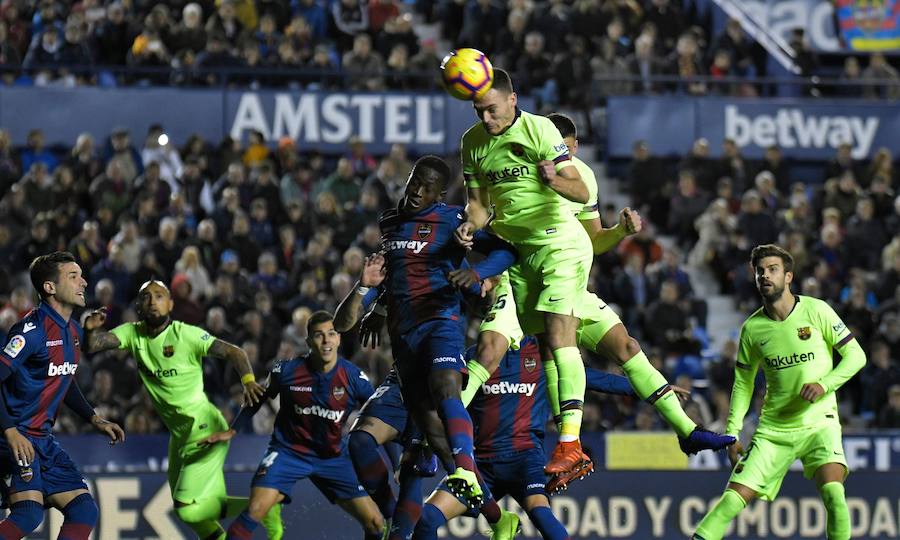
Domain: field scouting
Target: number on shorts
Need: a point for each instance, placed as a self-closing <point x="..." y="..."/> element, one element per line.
<point x="380" y="391"/>
<point x="501" y="302"/>
<point x="268" y="460"/>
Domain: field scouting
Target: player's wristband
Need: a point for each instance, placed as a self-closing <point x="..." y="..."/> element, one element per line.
<point x="362" y="291"/>
<point x="248" y="378"/>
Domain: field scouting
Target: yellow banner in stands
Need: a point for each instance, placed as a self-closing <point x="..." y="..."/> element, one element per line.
<point x="644" y="451"/>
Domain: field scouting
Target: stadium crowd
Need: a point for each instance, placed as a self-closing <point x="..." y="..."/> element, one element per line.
<point x="253" y="240"/>
<point x="555" y="50"/>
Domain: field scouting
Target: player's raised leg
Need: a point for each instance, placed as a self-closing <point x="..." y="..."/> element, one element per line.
<point x="830" y="482"/>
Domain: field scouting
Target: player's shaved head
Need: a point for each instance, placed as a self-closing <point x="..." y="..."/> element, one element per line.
<point x="564" y="124"/>
<point x="154" y="303"/>
<point x="150" y="282"/>
<point x="502" y="82"/>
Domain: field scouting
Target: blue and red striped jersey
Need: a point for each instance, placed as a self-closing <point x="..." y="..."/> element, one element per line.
<point x="37" y="366"/>
<point x="420" y="251"/>
<point x="315" y="405"/>
<point x="511" y="408"/>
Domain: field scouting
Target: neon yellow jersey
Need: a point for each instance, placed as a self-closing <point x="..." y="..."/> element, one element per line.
<point x="792" y="352"/>
<point x="591" y="210"/>
<point x="170" y="367"/>
<point x="526" y="211"/>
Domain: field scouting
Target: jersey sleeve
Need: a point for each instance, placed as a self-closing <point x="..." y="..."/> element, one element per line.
<point x="591" y="210"/>
<point x="607" y="383"/>
<point x="550" y="144"/>
<point x="834" y="331"/>
<point x="362" y="387"/>
<point x="469" y="165"/>
<point x="198" y="339"/>
<point x="125" y="333"/>
<point x="745" y="369"/>
<point x="19" y="346"/>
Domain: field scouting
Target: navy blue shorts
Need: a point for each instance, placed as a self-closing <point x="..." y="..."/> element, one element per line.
<point x="282" y="467"/>
<point x="51" y="472"/>
<point x="437" y="344"/>
<point x="519" y="475"/>
<point x="386" y="404"/>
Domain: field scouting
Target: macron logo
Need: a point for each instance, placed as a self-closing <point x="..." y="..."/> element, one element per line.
<point x="509" y="388"/>
<point x="321" y="412"/>
<point x="62" y="369"/>
<point x="791" y="128"/>
<point x="415" y="245"/>
<point x="28" y="327"/>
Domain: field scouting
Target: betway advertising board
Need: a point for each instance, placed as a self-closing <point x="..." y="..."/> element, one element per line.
<point x="803" y="129"/>
<point x="629" y="505"/>
<point x="427" y="122"/>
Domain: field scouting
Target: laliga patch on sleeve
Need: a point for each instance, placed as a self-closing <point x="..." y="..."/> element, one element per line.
<point x="15" y="346"/>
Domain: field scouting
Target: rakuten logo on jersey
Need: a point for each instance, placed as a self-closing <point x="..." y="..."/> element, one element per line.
<point x="321" y="412"/>
<point x="509" y="388"/>
<point x="506" y="172"/>
<point x="794" y="128"/>
<point x="415" y="245"/>
<point x="784" y="362"/>
<point x="63" y="369"/>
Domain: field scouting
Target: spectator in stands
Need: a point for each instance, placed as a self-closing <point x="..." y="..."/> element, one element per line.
<point x="88" y="247"/>
<point x="850" y="85"/>
<point x="398" y="31"/>
<point x="687" y="204"/>
<point x="865" y="236"/>
<point x="480" y="21"/>
<point x="314" y="14"/>
<point x="733" y="165"/>
<point x="754" y="222"/>
<point x="225" y="23"/>
<point x="111" y="189"/>
<point x="666" y="322"/>
<point x="215" y="57"/>
<point x="112" y="267"/>
<point x="534" y="71"/>
<point x="190" y="34"/>
<point x="185" y="308"/>
<point x="842" y="162"/>
<point x="351" y="20"/>
<point x="844" y="195"/>
<point x="889" y="417"/>
<point x="882" y="80"/>
<point x="343" y="184"/>
<point x="511" y="38"/>
<point x="705" y="170"/>
<point x="120" y="149"/>
<point x="35" y="152"/>
<point x="685" y="63"/>
<point x="364" y="67"/>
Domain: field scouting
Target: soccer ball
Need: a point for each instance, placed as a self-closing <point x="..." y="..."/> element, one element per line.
<point x="467" y="74"/>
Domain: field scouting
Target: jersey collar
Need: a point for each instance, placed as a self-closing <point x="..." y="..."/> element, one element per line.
<point x="793" y="309"/>
<point x="53" y="314"/>
<point x="513" y="123"/>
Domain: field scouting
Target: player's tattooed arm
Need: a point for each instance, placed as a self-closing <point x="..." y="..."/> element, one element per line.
<point x="95" y="338"/>
<point x="253" y="392"/>
<point x="567" y="182"/>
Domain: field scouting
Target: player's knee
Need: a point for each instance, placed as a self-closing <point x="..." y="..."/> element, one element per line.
<point x="192" y="513"/>
<point x="492" y="347"/>
<point x="361" y="444"/>
<point x="628" y="349"/>
<point x="82" y="510"/>
<point x="27" y="515"/>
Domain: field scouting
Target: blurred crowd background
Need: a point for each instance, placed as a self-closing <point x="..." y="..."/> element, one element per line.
<point x="253" y="236"/>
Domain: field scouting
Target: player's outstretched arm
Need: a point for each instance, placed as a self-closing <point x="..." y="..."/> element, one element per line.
<point x="95" y="338"/>
<point x="348" y="312"/>
<point x="76" y="401"/>
<point x="238" y="358"/>
<point x="567" y="182"/>
<point x="604" y="239"/>
<point x="270" y="392"/>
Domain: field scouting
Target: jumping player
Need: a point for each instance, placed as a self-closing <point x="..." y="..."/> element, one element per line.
<point x="425" y="268"/>
<point x="793" y="338"/>
<point x="169" y="356"/>
<point x="317" y="393"/>
<point x="37" y="374"/>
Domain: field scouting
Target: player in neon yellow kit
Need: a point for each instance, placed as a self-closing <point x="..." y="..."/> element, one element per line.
<point x="169" y="355"/>
<point x="792" y="337"/>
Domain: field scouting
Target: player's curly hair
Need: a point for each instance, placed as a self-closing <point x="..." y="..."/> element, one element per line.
<point x="46" y="268"/>
<point x="435" y="168"/>
<point x="771" y="250"/>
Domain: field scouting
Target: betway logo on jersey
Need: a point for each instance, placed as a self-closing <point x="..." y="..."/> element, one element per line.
<point x="791" y="127"/>
<point x="506" y="172"/>
<point x="415" y="245"/>
<point x="784" y="362"/>
<point x="321" y="412"/>
<point x="65" y="368"/>
<point x="505" y="387"/>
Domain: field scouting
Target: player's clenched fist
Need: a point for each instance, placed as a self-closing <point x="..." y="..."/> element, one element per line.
<point x="811" y="392"/>
<point x="547" y="170"/>
<point x="630" y="220"/>
<point x="735" y="451"/>
<point x="95" y="319"/>
<point x="465" y="234"/>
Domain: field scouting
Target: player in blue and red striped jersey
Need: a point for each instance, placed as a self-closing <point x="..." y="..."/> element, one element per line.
<point x="37" y="375"/>
<point x="425" y="270"/>
<point x="317" y="394"/>
<point x="510" y="411"/>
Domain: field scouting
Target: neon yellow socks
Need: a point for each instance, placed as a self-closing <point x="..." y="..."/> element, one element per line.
<point x="651" y="386"/>
<point x="838" y="520"/>
<point x="716" y="521"/>
<point x="477" y="376"/>
<point x="572" y="382"/>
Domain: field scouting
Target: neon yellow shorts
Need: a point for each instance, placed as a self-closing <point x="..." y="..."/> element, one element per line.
<point x="194" y="472"/>
<point x="549" y="279"/>
<point x="501" y="318"/>
<point x="770" y="455"/>
<point x="597" y="318"/>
